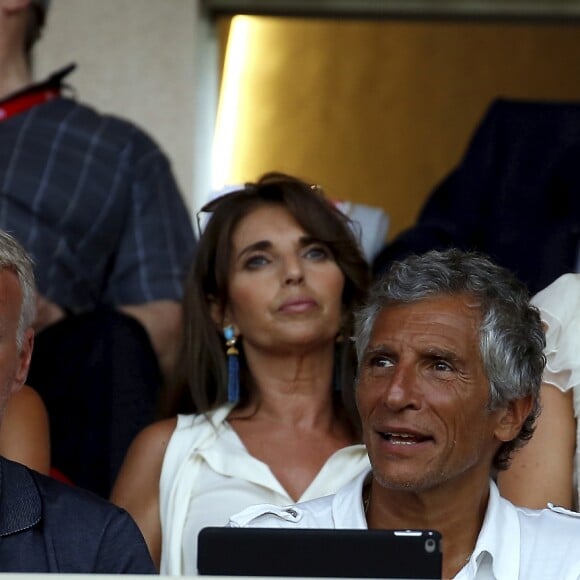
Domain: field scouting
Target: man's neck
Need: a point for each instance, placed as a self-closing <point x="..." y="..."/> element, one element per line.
<point x="457" y="515"/>
<point x="14" y="68"/>
<point x="14" y="72"/>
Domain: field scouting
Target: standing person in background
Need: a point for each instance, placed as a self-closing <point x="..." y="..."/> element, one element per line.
<point x="548" y="469"/>
<point x="266" y="367"/>
<point x="93" y="200"/>
<point x="47" y="526"/>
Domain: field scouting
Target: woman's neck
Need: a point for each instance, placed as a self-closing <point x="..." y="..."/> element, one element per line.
<point x="292" y="388"/>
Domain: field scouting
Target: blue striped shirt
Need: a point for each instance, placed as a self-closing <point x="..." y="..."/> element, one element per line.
<point x="92" y="198"/>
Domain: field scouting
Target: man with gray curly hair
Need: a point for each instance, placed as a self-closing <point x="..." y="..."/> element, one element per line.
<point x="450" y="367"/>
<point x="45" y="525"/>
<point x="510" y="337"/>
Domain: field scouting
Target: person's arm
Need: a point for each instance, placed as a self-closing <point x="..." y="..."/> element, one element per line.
<point x="162" y="321"/>
<point x="24" y="434"/>
<point x="542" y="471"/>
<point x="137" y="486"/>
<point x="155" y="250"/>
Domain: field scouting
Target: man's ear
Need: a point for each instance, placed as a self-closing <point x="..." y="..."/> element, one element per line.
<point x="512" y="418"/>
<point x="24" y="357"/>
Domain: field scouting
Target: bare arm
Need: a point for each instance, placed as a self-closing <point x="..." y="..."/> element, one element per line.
<point x="24" y="434"/>
<point x="542" y="471"/>
<point x="162" y="321"/>
<point x="137" y="486"/>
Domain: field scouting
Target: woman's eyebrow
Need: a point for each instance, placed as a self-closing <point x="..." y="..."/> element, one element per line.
<point x="307" y="240"/>
<point x="259" y="245"/>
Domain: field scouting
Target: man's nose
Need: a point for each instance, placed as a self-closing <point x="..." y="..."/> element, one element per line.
<point x="402" y="391"/>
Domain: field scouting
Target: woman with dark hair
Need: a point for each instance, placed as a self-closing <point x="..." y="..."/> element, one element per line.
<point x="266" y="371"/>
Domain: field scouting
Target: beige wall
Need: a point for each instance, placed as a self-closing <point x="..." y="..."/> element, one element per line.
<point x="136" y="59"/>
<point x="379" y="112"/>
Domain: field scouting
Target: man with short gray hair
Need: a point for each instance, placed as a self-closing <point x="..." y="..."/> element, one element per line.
<point x="450" y="367"/>
<point x="45" y="525"/>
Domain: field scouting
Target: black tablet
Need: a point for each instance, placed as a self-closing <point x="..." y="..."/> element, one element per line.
<point x="320" y="553"/>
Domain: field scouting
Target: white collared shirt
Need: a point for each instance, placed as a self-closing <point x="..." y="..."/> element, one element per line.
<point x="514" y="543"/>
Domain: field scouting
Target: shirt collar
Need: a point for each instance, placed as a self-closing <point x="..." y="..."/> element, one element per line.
<point x="498" y="543"/>
<point x="20" y="506"/>
<point x="54" y="81"/>
<point x="347" y="506"/>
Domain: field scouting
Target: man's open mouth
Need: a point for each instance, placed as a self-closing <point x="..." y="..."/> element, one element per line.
<point x="403" y="438"/>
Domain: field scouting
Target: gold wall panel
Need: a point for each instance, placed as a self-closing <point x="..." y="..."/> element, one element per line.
<point x="379" y="111"/>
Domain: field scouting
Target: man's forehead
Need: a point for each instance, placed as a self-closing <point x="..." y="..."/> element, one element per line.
<point x="453" y="317"/>
<point x="9" y="279"/>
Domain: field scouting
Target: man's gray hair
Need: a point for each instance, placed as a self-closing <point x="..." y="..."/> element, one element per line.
<point x="511" y="336"/>
<point x="13" y="257"/>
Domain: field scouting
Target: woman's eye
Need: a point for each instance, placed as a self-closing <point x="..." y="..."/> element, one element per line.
<point x="255" y="262"/>
<point x="317" y="253"/>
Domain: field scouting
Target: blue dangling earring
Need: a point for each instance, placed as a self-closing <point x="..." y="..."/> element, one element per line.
<point x="233" y="365"/>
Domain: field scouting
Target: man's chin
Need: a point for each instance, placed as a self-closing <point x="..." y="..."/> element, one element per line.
<point x="407" y="482"/>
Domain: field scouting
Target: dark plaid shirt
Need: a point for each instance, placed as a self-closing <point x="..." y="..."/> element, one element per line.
<point x="93" y="200"/>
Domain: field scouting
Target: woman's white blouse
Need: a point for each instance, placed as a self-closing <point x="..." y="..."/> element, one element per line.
<point x="559" y="305"/>
<point x="208" y="475"/>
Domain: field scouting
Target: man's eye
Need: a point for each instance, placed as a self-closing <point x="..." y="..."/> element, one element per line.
<point x="380" y="362"/>
<point x="441" y="365"/>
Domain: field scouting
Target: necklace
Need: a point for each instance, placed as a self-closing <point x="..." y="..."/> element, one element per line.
<point x="366" y="498"/>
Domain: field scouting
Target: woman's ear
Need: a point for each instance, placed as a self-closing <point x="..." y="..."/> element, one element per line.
<point x="220" y="315"/>
<point x="216" y="311"/>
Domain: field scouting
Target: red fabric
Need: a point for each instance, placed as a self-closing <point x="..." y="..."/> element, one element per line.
<point x="60" y="476"/>
<point x="21" y="103"/>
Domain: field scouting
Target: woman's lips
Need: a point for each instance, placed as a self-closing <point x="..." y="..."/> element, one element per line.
<point x="297" y="306"/>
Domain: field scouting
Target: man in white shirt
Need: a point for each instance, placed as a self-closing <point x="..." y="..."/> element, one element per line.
<point x="450" y="366"/>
